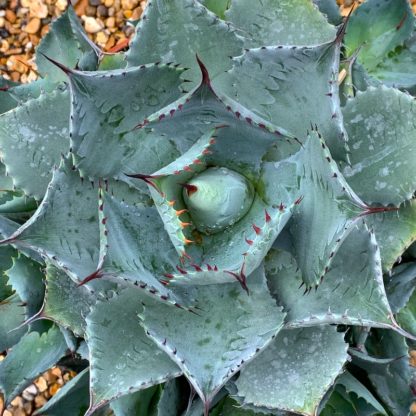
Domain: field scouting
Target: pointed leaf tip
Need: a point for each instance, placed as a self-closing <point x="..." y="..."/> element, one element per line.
<point x="64" y="68"/>
<point x="204" y="71"/>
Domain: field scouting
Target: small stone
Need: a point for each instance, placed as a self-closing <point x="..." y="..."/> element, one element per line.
<point x="111" y="11"/>
<point x="56" y="371"/>
<point x="15" y="64"/>
<point x="91" y="11"/>
<point x="102" y="11"/>
<point x="17" y="402"/>
<point x="38" y="9"/>
<point x="110" y="22"/>
<point x="101" y="38"/>
<point x="129" y="4"/>
<point x="61" y="5"/>
<point x="94" y="2"/>
<point x="31" y="390"/>
<point x="108" y="3"/>
<point x="33" y="26"/>
<point x="41" y="384"/>
<point x="2" y="21"/>
<point x="54" y="389"/>
<point x="7" y="413"/>
<point x="110" y="43"/>
<point x="10" y="16"/>
<point x="25" y="3"/>
<point x="92" y="25"/>
<point x="40" y="401"/>
<point x="137" y="12"/>
<point x="44" y="31"/>
<point x="127" y="14"/>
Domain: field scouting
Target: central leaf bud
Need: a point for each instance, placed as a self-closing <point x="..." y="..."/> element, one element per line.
<point x="217" y="198"/>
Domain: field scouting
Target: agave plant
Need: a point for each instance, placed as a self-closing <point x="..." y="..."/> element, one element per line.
<point x="199" y="227"/>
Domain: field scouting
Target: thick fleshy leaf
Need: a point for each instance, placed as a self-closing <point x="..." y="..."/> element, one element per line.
<point x="32" y="138"/>
<point x="392" y="382"/>
<point x="6" y="261"/>
<point x="401" y="285"/>
<point x="279" y="22"/>
<point x="66" y="303"/>
<point x="7" y="102"/>
<point x="129" y="238"/>
<point x="118" y="368"/>
<point x="68" y="43"/>
<point x="396" y="70"/>
<point x="395" y="231"/>
<point x="172" y="399"/>
<point x="382" y="141"/>
<point x="26" y="278"/>
<point x="378" y="27"/>
<point x="35" y="354"/>
<point x="330" y="9"/>
<point x="197" y="31"/>
<point x="106" y="108"/>
<point x="327" y="207"/>
<point x="13" y="315"/>
<point x="71" y="399"/>
<point x="352" y="292"/>
<point x="279" y="83"/>
<point x="217" y="6"/>
<point x="406" y="317"/>
<point x="141" y="402"/>
<point x="65" y="226"/>
<point x="295" y="371"/>
<point x="252" y="322"/>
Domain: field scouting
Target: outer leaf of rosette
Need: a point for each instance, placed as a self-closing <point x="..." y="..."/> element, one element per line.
<point x="177" y="31"/>
<point x="382" y="142"/>
<point x="291" y="87"/>
<point x="64" y="228"/>
<point x="122" y="359"/>
<point x="327" y="209"/>
<point x="32" y="138"/>
<point x="107" y="106"/>
<point x="252" y="323"/>
<point x="68" y="43"/>
<point x="352" y="292"/>
<point x="395" y="232"/>
<point x="7" y="100"/>
<point x="378" y="27"/>
<point x="295" y="371"/>
<point x="277" y="22"/>
<point x="135" y="248"/>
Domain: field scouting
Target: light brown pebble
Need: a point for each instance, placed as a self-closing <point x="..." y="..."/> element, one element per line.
<point x="108" y="3"/>
<point x="101" y="38"/>
<point x="92" y="25"/>
<point x="129" y="4"/>
<point x="38" y="9"/>
<point x="28" y="407"/>
<point x="11" y="16"/>
<point x="40" y="401"/>
<point x="127" y="14"/>
<point x="2" y="21"/>
<point x="110" y="22"/>
<point x="33" y="26"/>
<point x="111" y="11"/>
<point x="137" y="12"/>
<point x="54" y="389"/>
<point x="25" y="3"/>
<point x="7" y="413"/>
<point x="17" y="402"/>
<point x="61" y="5"/>
<point x="15" y="64"/>
<point x="41" y="384"/>
<point x="110" y="43"/>
<point x="4" y="46"/>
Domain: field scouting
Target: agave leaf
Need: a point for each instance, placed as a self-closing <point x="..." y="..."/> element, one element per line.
<point x="32" y="138"/>
<point x="6" y="261"/>
<point x="377" y="27"/>
<point x="129" y="236"/>
<point x="106" y="108"/>
<point x="330" y="9"/>
<point x="68" y="43"/>
<point x="396" y="70"/>
<point x="118" y="368"/>
<point x="72" y="399"/>
<point x="26" y="279"/>
<point x="66" y="303"/>
<point x="401" y="285"/>
<point x="172" y="399"/>
<point x="279" y="83"/>
<point x="395" y="231"/>
<point x="391" y="382"/>
<point x="12" y="315"/>
<point x="252" y="322"/>
<point x="406" y="317"/>
<point x="218" y="7"/>
<point x="65" y="226"/>
<point x="35" y="353"/>
<point x="277" y="22"/>
<point x="32" y="90"/>
<point x="327" y="212"/>
<point x="112" y="61"/>
<point x="352" y="292"/>
<point x="197" y="31"/>
<point x="295" y="371"/>
<point x="141" y="402"/>
<point x="382" y="141"/>
<point x="7" y="101"/>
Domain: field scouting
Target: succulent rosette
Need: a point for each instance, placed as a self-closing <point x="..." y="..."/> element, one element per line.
<point x="201" y="208"/>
